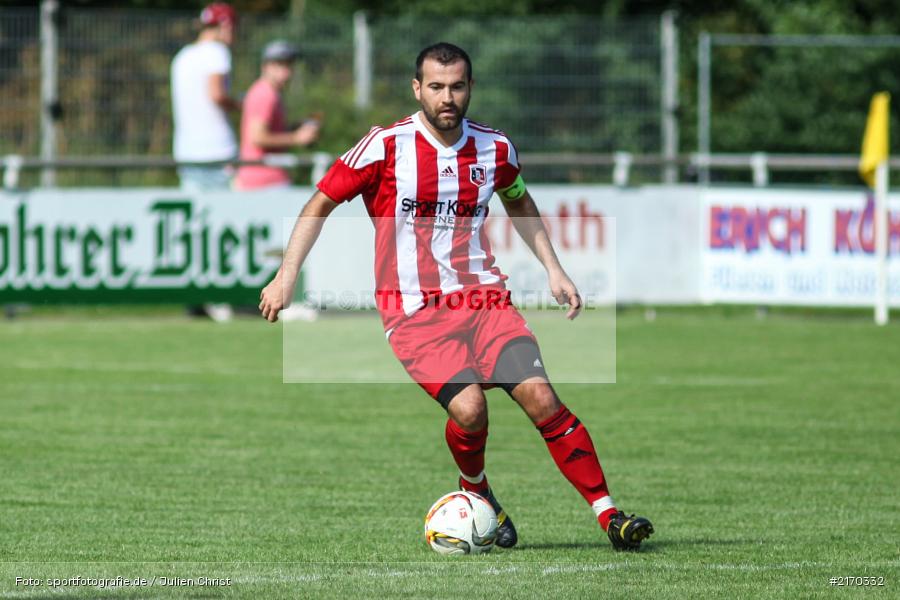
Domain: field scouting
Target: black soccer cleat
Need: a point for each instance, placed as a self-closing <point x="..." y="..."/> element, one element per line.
<point x="506" y="531"/>
<point x="627" y="532"/>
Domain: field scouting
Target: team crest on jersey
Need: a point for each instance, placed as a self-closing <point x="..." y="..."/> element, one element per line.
<point x="478" y="174"/>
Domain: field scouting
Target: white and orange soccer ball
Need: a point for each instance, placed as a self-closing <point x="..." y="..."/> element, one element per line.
<point x="461" y="523"/>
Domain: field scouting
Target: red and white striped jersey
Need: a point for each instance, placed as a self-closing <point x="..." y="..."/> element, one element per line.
<point x="429" y="203"/>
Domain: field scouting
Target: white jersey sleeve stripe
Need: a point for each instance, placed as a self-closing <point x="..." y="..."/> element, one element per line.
<point x="512" y="155"/>
<point x="348" y="156"/>
<point x="372" y="151"/>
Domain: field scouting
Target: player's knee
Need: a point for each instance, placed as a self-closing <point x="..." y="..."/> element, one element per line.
<point x="472" y="421"/>
<point x="469" y="409"/>
<point x="471" y="418"/>
<point x="540" y="401"/>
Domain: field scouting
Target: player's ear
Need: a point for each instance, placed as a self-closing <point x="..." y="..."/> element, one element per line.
<point x="417" y="88"/>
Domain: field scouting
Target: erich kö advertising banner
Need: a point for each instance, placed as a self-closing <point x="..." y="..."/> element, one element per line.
<point x="138" y="246"/>
<point x="794" y="247"/>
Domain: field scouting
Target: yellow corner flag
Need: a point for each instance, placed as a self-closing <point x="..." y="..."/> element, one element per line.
<point x="875" y="141"/>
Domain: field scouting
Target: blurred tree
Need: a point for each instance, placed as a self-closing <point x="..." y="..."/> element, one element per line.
<point x="791" y="100"/>
<point x="804" y="100"/>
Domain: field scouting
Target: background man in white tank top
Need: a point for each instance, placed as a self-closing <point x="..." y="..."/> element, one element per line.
<point x="201" y="101"/>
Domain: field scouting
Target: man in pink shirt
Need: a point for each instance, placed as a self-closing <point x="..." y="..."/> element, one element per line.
<point x="263" y="127"/>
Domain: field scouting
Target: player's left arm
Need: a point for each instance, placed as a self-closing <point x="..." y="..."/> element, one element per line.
<point x="527" y="220"/>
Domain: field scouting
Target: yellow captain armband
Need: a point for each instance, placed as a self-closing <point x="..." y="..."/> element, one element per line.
<point x="515" y="191"/>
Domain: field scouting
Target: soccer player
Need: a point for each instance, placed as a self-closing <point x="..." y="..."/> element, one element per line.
<point x="426" y="182"/>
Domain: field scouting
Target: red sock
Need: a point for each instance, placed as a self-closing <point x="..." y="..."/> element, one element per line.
<point x="571" y="447"/>
<point x="467" y="448"/>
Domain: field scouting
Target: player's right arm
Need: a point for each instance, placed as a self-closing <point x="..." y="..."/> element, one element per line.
<point x="280" y="291"/>
<point x="354" y="172"/>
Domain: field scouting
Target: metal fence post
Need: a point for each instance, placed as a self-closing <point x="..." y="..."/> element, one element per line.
<point x="49" y="86"/>
<point x="12" y="168"/>
<point x="622" y="168"/>
<point x="704" y="59"/>
<point x="759" y="162"/>
<point x="362" y="60"/>
<point x="669" y="96"/>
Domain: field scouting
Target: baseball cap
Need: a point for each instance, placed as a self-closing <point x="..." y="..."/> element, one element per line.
<point x="280" y="50"/>
<point x="218" y="13"/>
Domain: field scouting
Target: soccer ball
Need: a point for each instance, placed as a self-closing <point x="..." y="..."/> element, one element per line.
<point x="461" y="523"/>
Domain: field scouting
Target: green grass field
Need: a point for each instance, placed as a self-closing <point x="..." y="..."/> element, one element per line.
<point x="767" y="453"/>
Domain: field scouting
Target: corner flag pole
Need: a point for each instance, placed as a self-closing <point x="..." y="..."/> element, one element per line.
<point x="873" y="168"/>
<point x="881" y="243"/>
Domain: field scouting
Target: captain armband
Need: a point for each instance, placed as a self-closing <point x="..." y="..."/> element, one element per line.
<point x="515" y="191"/>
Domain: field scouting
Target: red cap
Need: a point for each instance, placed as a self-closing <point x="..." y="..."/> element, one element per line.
<point x="218" y="13"/>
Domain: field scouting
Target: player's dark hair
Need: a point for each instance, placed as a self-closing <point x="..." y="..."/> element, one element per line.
<point x="445" y="54"/>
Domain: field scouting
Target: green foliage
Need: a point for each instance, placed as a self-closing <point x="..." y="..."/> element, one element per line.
<point x="586" y="82"/>
<point x="563" y="89"/>
<point x="560" y="84"/>
<point x="806" y="100"/>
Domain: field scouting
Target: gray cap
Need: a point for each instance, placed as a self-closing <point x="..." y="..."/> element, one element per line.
<point x="280" y="50"/>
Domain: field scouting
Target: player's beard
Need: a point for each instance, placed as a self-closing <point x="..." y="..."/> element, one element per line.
<point x="442" y="123"/>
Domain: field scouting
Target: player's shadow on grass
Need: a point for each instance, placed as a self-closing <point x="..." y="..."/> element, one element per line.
<point x="557" y="546"/>
<point x="649" y="546"/>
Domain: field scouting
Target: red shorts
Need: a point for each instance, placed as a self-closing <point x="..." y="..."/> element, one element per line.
<point x="458" y="332"/>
